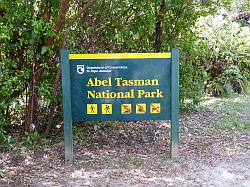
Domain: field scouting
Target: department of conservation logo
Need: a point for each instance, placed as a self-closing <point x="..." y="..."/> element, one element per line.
<point x="80" y="69"/>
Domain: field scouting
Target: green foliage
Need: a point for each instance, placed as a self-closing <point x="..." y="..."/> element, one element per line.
<point x="30" y="139"/>
<point x="24" y="41"/>
<point x="215" y="54"/>
<point x="228" y="65"/>
<point x="231" y="80"/>
<point x="191" y="69"/>
<point x="13" y="73"/>
<point x="133" y="29"/>
<point x="5" y="139"/>
<point x="79" y="133"/>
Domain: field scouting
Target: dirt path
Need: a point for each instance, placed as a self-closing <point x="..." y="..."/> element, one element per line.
<point x="214" y="151"/>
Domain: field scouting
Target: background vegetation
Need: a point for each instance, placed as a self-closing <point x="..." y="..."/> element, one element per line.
<point x="213" y="37"/>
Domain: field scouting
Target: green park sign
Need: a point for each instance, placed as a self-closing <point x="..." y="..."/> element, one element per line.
<point x="120" y="87"/>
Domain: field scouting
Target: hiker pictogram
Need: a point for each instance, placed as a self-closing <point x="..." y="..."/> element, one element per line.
<point x="140" y="108"/>
<point x="106" y="108"/>
<point x="91" y="108"/>
<point x="126" y="109"/>
<point x="155" y="108"/>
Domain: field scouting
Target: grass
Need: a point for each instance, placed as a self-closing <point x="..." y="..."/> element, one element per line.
<point x="125" y="161"/>
<point x="79" y="133"/>
<point x="163" y="156"/>
<point x="231" y="112"/>
<point x="130" y="160"/>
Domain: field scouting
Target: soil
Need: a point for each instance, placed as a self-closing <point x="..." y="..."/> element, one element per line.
<point x="214" y="151"/>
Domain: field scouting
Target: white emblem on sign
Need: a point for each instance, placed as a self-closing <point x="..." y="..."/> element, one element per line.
<point x="80" y="69"/>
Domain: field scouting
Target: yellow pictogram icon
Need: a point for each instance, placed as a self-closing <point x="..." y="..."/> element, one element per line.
<point x="91" y="108"/>
<point x="141" y="108"/>
<point x="155" y="108"/>
<point x="106" y="108"/>
<point x="126" y="109"/>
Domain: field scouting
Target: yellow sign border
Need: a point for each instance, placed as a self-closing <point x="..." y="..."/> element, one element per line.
<point x="119" y="56"/>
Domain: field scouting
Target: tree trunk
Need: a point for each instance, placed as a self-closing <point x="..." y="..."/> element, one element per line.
<point x="32" y="110"/>
<point x="159" y="26"/>
<point x="58" y="27"/>
<point x="32" y="107"/>
<point x="56" y="86"/>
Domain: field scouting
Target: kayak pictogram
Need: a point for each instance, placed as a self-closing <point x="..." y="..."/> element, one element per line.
<point x="155" y="108"/>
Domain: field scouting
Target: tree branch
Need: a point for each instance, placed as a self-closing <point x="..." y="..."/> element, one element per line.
<point x="63" y="11"/>
<point x="58" y="27"/>
<point x="73" y="19"/>
<point x="241" y="15"/>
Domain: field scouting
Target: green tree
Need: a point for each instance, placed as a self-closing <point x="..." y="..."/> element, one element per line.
<point x="32" y="32"/>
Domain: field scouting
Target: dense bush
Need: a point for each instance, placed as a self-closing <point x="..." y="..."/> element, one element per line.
<point x="228" y="67"/>
<point x="33" y="32"/>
